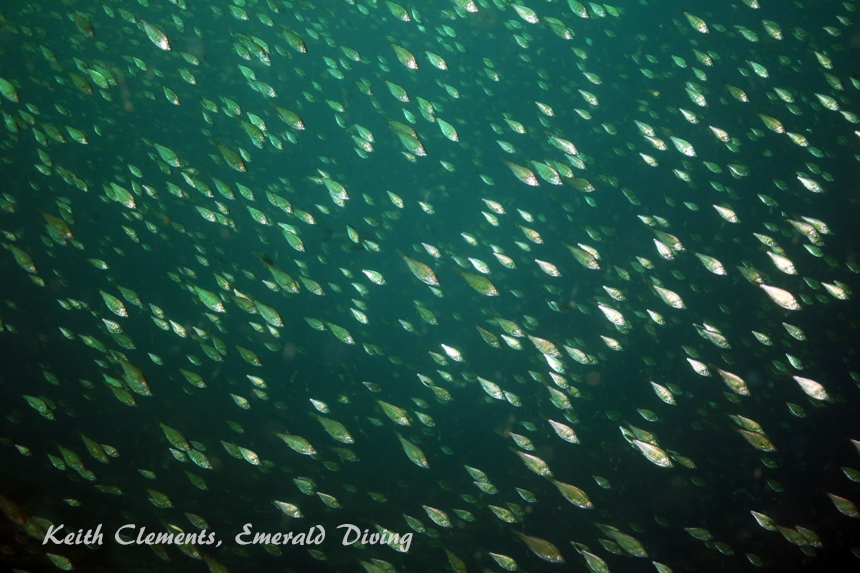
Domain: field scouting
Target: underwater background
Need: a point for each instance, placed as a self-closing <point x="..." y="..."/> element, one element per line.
<point x="549" y="285"/>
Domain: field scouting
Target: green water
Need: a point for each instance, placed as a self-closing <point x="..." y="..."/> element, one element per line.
<point x="284" y="142"/>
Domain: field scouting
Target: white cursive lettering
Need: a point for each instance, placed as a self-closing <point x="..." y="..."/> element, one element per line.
<point x="50" y="535"/>
<point x="246" y="530"/>
<point x="119" y="539"/>
<point x="350" y="529"/>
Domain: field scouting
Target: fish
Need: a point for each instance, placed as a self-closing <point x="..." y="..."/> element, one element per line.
<point x="231" y="235"/>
